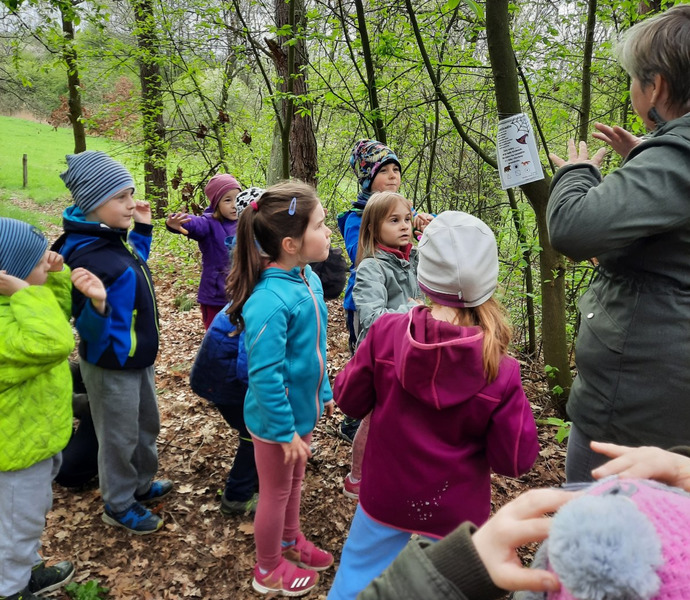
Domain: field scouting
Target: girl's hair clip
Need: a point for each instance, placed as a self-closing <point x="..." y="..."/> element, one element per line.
<point x="293" y="206"/>
<point x="254" y="205"/>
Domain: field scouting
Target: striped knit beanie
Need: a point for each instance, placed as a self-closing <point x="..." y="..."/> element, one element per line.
<point x="22" y="246"/>
<point x="93" y="178"/>
<point x="218" y="186"/>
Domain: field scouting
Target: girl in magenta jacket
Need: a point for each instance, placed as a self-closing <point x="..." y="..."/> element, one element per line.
<point x="446" y="401"/>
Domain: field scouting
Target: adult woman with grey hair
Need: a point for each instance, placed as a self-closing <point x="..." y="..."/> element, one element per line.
<point x="633" y="346"/>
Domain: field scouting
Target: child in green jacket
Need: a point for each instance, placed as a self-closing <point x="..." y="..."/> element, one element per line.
<point x="35" y="399"/>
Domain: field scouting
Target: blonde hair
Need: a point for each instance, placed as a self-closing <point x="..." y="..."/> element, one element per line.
<point x="378" y="207"/>
<point x="492" y="318"/>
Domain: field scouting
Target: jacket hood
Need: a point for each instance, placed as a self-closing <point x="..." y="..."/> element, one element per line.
<point x="74" y="222"/>
<point x="430" y="354"/>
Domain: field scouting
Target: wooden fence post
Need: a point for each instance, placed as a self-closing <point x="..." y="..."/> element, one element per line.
<point x="25" y="171"/>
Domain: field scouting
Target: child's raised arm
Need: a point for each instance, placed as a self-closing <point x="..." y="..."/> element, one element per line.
<point x="176" y="222"/>
<point x="91" y="286"/>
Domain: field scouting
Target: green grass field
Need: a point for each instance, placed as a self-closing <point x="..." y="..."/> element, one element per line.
<point x="45" y="149"/>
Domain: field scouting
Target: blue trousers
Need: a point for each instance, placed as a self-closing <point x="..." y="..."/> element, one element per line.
<point x="370" y="548"/>
<point x="242" y="481"/>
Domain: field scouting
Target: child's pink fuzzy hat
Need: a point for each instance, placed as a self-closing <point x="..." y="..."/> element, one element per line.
<point x="218" y="186"/>
<point x="626" y="539"/>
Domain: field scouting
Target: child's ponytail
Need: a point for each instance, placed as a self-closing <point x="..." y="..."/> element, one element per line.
<point x="492" y="317"/>
<point x="283" y="210"/>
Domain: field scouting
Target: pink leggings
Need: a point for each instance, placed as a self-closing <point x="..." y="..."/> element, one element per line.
<point x="358" y="445"/>
<point x="280" y="493"/>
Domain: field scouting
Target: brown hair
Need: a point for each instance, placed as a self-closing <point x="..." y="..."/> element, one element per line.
<point x="260" y="234"/>
<point x="660" y="45"/>
<point x="492" y="318"/>
<point x="378" y="207"/>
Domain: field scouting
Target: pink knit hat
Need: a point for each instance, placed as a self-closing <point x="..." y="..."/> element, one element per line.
<point x="218" y="186"/>
<point x="625" y="539"/>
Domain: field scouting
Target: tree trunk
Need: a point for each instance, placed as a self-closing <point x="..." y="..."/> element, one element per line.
<point x="376" y="118"/>
<point x="551" y="262"/>
<point x="69" y="55"/>
<point x="155" y="143"/>
<point x="586" y="101"/>
<point x="299" y="153"/>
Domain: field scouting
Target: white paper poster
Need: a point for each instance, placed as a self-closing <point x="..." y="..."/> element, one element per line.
<point x="518" y="158"/>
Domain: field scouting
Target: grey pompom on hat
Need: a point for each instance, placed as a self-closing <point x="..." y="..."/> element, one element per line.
<point x="458" y="260"/>
<point x="22" y="246"/>
<point x="93" y="178"/>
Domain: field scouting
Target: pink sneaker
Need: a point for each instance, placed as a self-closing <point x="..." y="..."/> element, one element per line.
<point x="351" y="488"/>
<point x="285" y="580"/>
<point x="304" y="554"/>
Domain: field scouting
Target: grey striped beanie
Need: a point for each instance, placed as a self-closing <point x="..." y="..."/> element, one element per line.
<point x="93" y="177"/>
<point x="22" y="246"/>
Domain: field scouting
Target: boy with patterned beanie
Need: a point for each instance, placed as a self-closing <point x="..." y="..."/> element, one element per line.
<point x="117" y="349"/>
<point x="35" y="400"/>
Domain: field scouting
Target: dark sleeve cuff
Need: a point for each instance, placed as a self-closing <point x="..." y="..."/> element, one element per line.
<point x="568" y="168"/>
<point x="143" y="228"/>
<point x="456" y="558"/>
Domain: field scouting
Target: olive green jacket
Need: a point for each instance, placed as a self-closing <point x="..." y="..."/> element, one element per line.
<point x="35" y="380"/>
<point x="633" y="347"/>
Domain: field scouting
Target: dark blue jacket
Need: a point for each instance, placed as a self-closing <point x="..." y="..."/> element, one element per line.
<point x="349" y="224"/>
<point x="126" y="337"/>
<point x="219" y="372"/>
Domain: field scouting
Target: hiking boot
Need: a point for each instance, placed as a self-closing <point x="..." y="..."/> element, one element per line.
<point x="351" y="487"/>
<point x="306" y="555"/>
<point x="25" y="594"/>
<point x="47" y="579"/>
<point x="159" y="489"/>
<point x="136" y="519"/>
<point x="348" y="428"/>
<point x="238" y="507"/>
<point x="285" y="580"/>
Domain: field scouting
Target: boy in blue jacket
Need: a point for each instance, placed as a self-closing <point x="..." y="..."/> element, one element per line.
<point x="117" y="349"/>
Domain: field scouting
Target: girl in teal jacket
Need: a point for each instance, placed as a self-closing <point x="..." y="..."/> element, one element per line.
<point x="278" y="301"/>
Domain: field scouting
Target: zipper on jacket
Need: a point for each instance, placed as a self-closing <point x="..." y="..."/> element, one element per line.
<point x="148" y="282"/>
<point x="133" y="334"/>
<point x="318" y="345"/>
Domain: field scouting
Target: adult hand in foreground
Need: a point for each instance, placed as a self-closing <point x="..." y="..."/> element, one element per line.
<point x="519" y="522"/>
<point x="579" y="155"/>
<point x="619" y="139"/>
<point x="645" y="462"/>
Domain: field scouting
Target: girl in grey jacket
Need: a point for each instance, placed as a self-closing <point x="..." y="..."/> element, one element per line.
<point x="386" y="282"/>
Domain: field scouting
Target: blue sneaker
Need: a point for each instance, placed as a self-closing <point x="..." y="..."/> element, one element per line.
<point x="136" y="519"/>
<point x="159" y="489"/>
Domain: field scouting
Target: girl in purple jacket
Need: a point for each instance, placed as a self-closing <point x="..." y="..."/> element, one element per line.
<point x="446" y="402"/>
<point x="214" y="230"/>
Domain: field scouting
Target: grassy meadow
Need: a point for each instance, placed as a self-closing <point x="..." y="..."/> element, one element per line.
<point x="45" y="148"/>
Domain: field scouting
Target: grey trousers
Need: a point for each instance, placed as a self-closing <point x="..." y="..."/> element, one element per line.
<point x="25" y="498"/>
<point x="126" y="420"/>
<point x="580" y="458"/>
